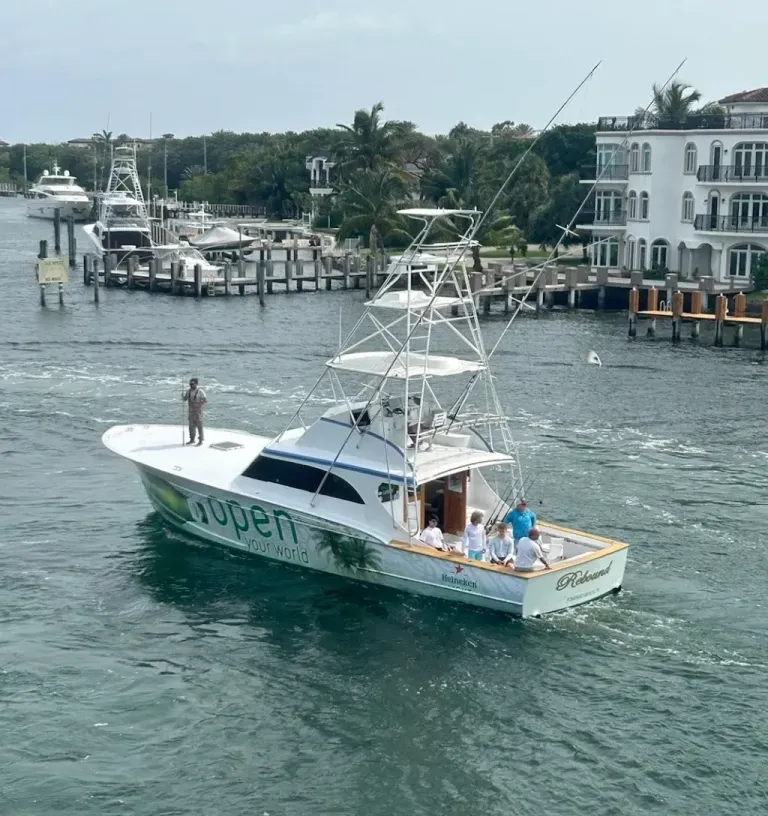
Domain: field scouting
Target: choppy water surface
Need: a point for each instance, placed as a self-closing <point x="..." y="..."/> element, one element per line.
<point x="143" y="673"/>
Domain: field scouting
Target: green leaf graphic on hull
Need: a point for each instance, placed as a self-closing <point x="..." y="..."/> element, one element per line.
<point x="172" y="501"/>
<point x="348" y="553"/>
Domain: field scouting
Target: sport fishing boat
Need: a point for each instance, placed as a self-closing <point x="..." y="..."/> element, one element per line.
<point x="416" y="429"/>
<point x="124" y="228"/>
<point x="57" y="190"/>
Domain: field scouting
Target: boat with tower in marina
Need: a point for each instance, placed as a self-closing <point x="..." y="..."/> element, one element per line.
<point x="124" y="229"/>
<point x="415" y="428"/>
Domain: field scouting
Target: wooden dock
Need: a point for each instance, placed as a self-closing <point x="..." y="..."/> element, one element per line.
<point x="675" y="313"/>
<point x="349" y="272"/>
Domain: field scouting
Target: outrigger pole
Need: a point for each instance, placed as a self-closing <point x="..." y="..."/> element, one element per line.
<point x="449" y="269"/>
<point x="572" y="222"/>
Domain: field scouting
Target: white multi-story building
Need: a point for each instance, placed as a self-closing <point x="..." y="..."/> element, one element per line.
<point x="688" y="196"/>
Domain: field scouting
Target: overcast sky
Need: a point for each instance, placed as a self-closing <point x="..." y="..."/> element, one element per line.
<point x="71" y="67"/>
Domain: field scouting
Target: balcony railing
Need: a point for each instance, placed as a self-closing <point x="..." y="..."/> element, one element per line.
<point x="696" y="121"/>
<point x="615" y="218"/>
<point x="614" y="172"/>
<point x="731" y="223"/>
<point x="719" y="173"/>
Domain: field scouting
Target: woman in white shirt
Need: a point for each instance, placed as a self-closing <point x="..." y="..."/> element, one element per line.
<point x="432" y="534"/>
<point x="474" y="537"/>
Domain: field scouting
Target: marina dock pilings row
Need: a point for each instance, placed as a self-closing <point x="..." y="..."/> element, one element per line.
<point x="348" y="272"/>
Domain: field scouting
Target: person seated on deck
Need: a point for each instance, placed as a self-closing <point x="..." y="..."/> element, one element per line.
<point x="474" y="542"/>
<point x="528" y="555"/>
<point x="522" y="520"/>
<point x="500" y="544"/>
<point x="433" y="535"/>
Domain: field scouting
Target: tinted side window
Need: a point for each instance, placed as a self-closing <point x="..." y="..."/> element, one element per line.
<point x="301" y="477"/>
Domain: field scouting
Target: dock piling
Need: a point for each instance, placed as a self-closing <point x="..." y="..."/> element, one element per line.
<point x="154" y="263"/>
<point x="130" y="270"/>
<point x="261" y="274"/>
<point x="677" y="316"/>
<point x="43" y="253"/>
<point x="270" y="274"/>
<point x="763" y="323"/>
<point x="228" y="278"/>
<point x="299" y="263"/>
<point x="61" y="294"/>
<point x="198" y="281"/>
<point x="87" y="270"/>
<point x="95" y="279"/>
<point x="57" y="230"/>
<point x="634" y="308"/>
<point x="721" y="309"/>
<point x="328" y="263"/>
<point x="653" y="306"/>
<point x="175" y="278"/>
<point x="71" y="242"/>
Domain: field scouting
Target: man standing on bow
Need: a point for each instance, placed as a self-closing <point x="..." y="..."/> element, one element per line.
<point x="195" y="397"/>
<point x="522" y="520"/>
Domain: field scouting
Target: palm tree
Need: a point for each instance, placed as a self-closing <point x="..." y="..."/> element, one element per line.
<point x="675" y="102"/>
<point x="349" y="554"/>
<point x="455" y="179"/>
<point x="368" y="142"/>
<point x="369" y="203"/>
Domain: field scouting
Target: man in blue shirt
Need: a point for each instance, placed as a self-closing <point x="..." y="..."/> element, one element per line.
<point x="522" y="520"/>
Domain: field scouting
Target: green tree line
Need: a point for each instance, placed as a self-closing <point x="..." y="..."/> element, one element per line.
<point x="380" y="166"/>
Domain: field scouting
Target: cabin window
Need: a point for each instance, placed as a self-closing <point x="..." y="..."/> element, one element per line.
<point x="362" y="418"/>
<point x="301" y="477"/>
<point x="388" y="492"/>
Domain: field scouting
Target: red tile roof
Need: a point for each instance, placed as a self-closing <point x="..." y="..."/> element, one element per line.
<point x="757" y="95"/>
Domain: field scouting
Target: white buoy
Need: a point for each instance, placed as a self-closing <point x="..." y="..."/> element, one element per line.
<point x="593" y="359"/>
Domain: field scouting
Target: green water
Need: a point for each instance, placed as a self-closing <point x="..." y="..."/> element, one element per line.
<point x="144" y="673"/>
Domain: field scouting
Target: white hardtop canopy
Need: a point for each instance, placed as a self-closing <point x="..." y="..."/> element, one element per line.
<point x="392" y="365"/>
<point x="436" y="212"/>
<point x="415" y="300"/>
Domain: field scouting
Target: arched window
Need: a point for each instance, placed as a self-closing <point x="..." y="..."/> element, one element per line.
<point x="749" y="212"/>
<point x="632" y="206"/>
<point x="642" y="254"/>
<point x="688" y="207"/>
<point x="634" y="158"/>
<point x="631" y="253"/>
<point x="690" y="158"/>
<point x="646" y="158"/>
<point x="607" y="252"/>
<point x="645" y="204"/>
<point x="750" y="161"/>
<point x="743" y="259"/>
<point x="659" y="254"/>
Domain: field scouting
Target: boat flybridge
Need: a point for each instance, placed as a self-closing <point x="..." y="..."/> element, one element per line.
<point x="124" y="228"/>
<point x="415" y="429"/>
<point x="57" y="190"/>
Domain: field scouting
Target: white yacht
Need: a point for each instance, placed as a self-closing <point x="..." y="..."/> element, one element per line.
<point x="56" y="190"/>
<point x="416" y="429"/>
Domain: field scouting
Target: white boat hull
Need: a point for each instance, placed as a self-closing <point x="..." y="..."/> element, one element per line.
<point x="46" y="209"/>
<point x="281" y="534"/>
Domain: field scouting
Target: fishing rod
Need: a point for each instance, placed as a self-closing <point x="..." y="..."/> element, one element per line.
<point x="504" y="501"/>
